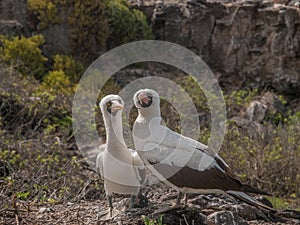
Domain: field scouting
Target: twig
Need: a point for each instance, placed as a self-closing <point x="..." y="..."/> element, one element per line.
<point x="17" y="219"/>
<point x="185" y="220"/>
<point x="13" y="210"/>
<point x="77" y="216"/>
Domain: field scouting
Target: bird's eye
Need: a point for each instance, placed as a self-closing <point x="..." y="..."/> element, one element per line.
<point x="108" y="104"/>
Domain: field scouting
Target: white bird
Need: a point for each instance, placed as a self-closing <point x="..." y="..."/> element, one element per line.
<point x="179" y="161"/>
<point x="121" y="168"/>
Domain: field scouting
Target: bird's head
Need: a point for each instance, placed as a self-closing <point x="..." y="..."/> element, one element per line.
<point x="147" y="102"/>
<point x="111" y="105"/>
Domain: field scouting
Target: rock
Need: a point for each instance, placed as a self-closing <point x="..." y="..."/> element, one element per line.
<point x="267" y="107"/>
<point x="10" y="27"/>
<point x="248" y="127"/>
<point x="13" y="14"/>
<point x="248" y="212"/>
<point x="225" y="218"/>
<point x="45" y="209"/>
<point x="273" y="103"/>
<point x="256" y="111"/>
<point x="251" y="43"/>
<point x="183" y="216"/>
<point x="57" y="39"/>
<point x="290" y="214"/>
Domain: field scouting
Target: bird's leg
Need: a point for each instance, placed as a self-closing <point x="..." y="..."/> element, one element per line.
<point x="110" y="205"/>
<point x="179" y="197"/>
<point x="185" y="199"/>
<point x="168" y="208"/>
<point x="132" y="201"/>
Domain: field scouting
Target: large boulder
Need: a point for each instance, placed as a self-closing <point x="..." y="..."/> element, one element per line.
<point x="267" y="107"/>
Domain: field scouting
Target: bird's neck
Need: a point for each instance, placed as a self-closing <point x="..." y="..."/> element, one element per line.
<point x="114" y="134"/>
<point x="154" y="120"/>
<point x="148" y="115"/>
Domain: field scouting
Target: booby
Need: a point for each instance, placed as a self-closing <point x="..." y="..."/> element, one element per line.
<point x="121" y="168"/>
<point x="179" y="161"/>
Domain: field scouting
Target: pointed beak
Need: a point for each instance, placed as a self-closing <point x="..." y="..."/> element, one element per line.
<point x="143" y="97"/>
<point x="116" y="106"/>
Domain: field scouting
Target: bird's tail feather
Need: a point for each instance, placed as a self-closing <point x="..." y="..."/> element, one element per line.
<point x="250" y="189"/>
<point x="248" y="199"/>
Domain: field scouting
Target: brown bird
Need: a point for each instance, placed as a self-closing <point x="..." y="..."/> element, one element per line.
<point x="179" y="161"/>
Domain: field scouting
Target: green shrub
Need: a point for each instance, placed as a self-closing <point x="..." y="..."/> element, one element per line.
<point x="91" y="23"/>
<point x="237" y="100"/>
<point x="35" y="130"/>
<point x="58" y="82"/>
<point x="45" y="11"/>
<point x="24" y="54"/>
<point x="126" y="24"/>
<point x="268" y="159"/>
<point x="148" y="221"/>
<point x="27" y="107"/>
<point x="71" y="68"/>
<point x="88" y="29"/>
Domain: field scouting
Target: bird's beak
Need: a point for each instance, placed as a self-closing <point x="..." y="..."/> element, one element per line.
<point x="143" y="97"/>
<point x="116" y="106"/>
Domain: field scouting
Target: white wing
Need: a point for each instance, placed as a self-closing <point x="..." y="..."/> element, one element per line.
<point x="99" y="164"/>
<point x="157" y="143"/>
<point x="138" y="165"/>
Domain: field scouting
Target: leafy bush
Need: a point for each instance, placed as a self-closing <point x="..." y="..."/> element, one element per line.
<point x="149" y="221"/>
<point x="267" y="159"/>
<point x="237" y="100"/>
<point x="46" y="12"/>
<point x="72" y="69"/>
<point x="91" y="23"/>
<point x="38" y="173"/>
<point x="57" y="82"/>
<point x="35" y="128"/>
<point x="88" y="28"/>
<point x="24" y="54"/>
<point x="126" y="24"/>
<point x="27" y="107"/>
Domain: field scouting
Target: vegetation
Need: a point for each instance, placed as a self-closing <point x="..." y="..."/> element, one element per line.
<point x="57" y="81"/>
<point x="149" y="221"/>
<point x="24" y="54"/>
<point x="266" y="159"/>
<point x="41" y="164"/>
<point x="35" y="127"/>
<point x="45" y="11"/>
<point x="89" y="28"/>
<point x="126" y="24"/>
<point x="92" y="25"/>
<point x="72" y="68"/>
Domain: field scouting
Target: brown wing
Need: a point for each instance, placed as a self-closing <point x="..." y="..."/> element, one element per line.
<point x="212" y="178"/>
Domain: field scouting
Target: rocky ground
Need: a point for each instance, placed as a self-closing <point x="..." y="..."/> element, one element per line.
<point x="201" y="209"/>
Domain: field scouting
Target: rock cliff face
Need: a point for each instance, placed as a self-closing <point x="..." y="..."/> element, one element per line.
<point x="13" y="15"/>
<point x="251" y="43"/>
